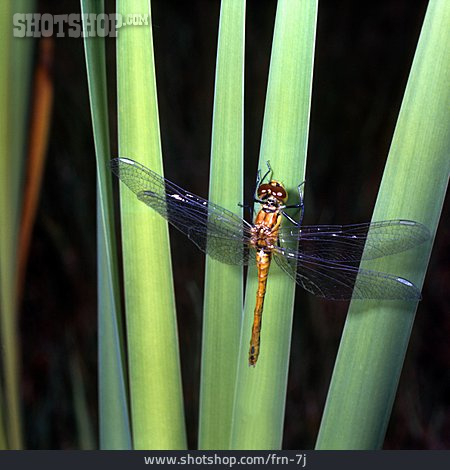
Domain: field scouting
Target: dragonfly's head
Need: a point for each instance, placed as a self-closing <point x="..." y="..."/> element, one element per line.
<point x="273" y="190"/>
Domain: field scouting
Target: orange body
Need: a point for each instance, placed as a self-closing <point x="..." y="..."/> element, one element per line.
<point x="265" y="236"/>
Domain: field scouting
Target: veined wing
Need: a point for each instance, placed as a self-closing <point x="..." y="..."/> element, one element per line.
<point x="215" y="230"/>
<point x="340" y="282"/>
<point x="351" y="243"/>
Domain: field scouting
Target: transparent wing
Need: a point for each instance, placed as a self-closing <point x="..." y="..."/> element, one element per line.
<point x="215" y="230"/>
<point x="340" y="282"/>
<point x="351" y="243"/>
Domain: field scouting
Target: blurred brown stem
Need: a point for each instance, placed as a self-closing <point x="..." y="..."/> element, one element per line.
<point x="39" y="132"/>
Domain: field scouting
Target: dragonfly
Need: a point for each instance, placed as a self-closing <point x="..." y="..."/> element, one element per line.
<point x="322" y="259"/>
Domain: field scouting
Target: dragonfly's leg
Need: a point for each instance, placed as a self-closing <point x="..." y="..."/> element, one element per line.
<point x="266" y="174"/>
<point x="269" y="170"/>
<point x="259" y="180"/>
<point x="248" y="207"/>
<point x="297" y="224"/>
<point x="300" y="205"/>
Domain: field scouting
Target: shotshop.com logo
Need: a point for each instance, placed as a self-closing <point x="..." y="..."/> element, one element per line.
<point x="38" y="25"/>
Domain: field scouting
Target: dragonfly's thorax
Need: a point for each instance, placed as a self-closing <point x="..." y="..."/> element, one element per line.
<point x="265" y="228"/>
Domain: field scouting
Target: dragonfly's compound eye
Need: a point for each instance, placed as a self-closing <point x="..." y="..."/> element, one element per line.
<point x="274" y="189"/>
<point x="278" y="191"/>
<point x="264" y="191"/>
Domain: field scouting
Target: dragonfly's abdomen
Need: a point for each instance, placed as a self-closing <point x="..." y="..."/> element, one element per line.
<point x="265" y="235"/>
<point x="263" y="259"/>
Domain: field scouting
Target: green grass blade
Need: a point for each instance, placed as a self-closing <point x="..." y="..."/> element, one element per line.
<point x="114" y="419"/>
<point x="115" y="432"/>
<point x="15" y="60"/>
<point x="21" y="70"/>
<point x="85" y="429"/>
<point x="154" y="367"/>
<point x="8" y="327"/>
<point x="415" y="179"/>
<point x="3" y="442"/>
<point x="260" y="394"/>
<point x="224" y="283"/>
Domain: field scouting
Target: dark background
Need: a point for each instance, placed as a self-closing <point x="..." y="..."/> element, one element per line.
<point x="363" y="55"/>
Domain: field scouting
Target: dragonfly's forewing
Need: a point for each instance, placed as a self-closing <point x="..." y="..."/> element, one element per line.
<point x="351" y="243"/>
<point x="215" y="230"/>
